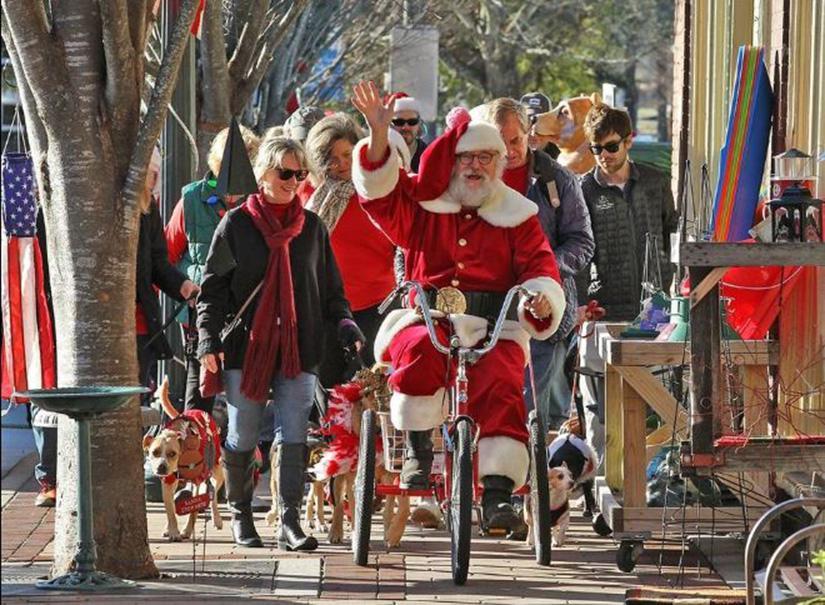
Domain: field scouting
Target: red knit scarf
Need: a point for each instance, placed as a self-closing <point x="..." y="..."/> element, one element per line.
<point x="273" y="340"/>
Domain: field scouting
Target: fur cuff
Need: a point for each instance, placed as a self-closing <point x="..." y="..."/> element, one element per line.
<point x="418" y="412"/>
<point x="537" y="328"/>
<point x="501" y="455"/>
<point x="373" y="184"/>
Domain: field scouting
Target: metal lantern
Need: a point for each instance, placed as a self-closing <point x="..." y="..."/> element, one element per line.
<point x="792" y="168"/>
<point x="796" y="216"/>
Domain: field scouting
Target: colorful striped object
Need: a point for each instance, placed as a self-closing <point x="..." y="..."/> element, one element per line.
<point x="743" y="155"/>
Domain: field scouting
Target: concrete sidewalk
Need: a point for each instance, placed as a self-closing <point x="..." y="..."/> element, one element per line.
<point x="582" y="572"/>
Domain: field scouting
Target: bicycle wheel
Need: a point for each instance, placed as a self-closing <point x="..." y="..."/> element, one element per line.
<point x="461" y="501"/>
<point x="539" y="491"/>
<point x="364" y="490"/>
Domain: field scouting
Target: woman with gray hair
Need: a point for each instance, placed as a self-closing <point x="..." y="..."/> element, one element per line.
<point x="276" y="256"/>
<point x="364" y="254"/>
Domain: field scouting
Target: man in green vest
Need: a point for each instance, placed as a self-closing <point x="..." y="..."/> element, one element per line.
<point x="188" y="237"/>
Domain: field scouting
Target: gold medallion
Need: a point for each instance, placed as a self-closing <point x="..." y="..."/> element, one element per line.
<point x="450" y="301"/>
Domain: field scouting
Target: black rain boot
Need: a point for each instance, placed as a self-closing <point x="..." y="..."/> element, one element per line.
<point x="418" y="460"/>
<point x="239" y="488"/>
<point x="495" y="503"/>
<point x="291" y="481"/>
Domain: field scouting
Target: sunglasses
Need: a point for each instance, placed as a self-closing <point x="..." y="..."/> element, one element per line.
<point x="399" y="122"/>
<point x="611" y="147"/>
<point x="285" y="174"/>
<point x="484" y="158"/>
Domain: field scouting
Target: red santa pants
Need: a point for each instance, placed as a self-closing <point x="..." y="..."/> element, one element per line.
<point x="495" y="382"/>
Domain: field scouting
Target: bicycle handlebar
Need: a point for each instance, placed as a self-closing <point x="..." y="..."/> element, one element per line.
<point x="421" y="299"/>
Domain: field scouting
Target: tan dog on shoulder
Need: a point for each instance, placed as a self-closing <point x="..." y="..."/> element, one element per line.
<point x="564" y="126"/>
<point x="178" y="454"/>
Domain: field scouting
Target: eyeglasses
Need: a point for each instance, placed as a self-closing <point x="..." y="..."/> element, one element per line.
<point x="399" y="122"/>
<point x="285" y="174"/>
<point x="484" y="158"/>
<point x="611" y="147"/>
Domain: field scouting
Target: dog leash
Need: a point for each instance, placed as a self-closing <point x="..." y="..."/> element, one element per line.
<point x="178" y="308"/>
<point x="239" y="315"/>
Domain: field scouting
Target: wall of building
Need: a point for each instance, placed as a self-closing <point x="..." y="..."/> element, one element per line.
<point x="708" y="34"/>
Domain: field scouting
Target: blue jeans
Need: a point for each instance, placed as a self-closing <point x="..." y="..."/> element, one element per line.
<point x="552" y="390"/>
<point x="45" y="440"/>
<point x="293" y="399"/>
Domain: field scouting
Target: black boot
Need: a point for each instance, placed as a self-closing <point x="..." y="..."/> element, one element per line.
<point x="418" y="460"/>
<point x="291" y="481"/>
<point x="495" y="503"/>
<point x="239" y="488"/>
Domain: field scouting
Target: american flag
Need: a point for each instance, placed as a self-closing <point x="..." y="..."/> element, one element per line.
<point x="28" y="344"/>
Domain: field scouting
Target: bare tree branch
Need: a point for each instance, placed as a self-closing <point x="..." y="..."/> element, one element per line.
<point x="216" y="83"/>
<point x="79" y="28"/>
<point x="156" y="111"/>
<point x="45" y="71"/>
<point x="266" y="57"/>
<point x="244" y="51"/>
<point x="122" y="86"/>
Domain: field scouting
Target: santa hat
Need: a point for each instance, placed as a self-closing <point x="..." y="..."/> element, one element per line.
<point x="404" y="102"/>
<point x="462" y="135"/>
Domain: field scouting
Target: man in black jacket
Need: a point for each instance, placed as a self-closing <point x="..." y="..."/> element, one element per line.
<point x="627" y="202"/>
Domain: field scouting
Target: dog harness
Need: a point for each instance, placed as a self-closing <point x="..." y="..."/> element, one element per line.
<point x="573" y="451"/>
<point x="558" y="513"/>
<point x="201" y="446"/>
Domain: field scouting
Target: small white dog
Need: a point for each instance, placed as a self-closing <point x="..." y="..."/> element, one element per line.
<point x="571" y="462"/>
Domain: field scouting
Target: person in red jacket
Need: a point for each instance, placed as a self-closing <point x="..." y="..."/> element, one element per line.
<point x="460" y="228"/>
<point x="364" y="254"/>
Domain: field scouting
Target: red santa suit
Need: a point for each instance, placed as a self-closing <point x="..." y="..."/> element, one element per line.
<point x="488" y="249"/>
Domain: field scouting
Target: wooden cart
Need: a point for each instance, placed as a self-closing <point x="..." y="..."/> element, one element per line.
<point x="630" y="387"/>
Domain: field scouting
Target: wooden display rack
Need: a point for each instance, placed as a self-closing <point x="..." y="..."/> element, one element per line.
<point x="631" y="386"/>
<point x="707" y="262"/>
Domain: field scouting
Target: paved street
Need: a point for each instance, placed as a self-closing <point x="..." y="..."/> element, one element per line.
<point x="502" y="572"/>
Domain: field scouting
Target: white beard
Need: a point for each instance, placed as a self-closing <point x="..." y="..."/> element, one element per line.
<point x="474" y="198"/>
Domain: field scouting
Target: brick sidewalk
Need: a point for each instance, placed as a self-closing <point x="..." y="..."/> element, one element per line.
<point x="582" y="572"/>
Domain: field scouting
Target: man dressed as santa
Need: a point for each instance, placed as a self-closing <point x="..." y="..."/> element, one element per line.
<point x="467" y="234"/>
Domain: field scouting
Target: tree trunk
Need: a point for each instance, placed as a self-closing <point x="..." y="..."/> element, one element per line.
<point x="80" y="69"/>
<point x="216" y="85"/>
<point x="92" y="241"/>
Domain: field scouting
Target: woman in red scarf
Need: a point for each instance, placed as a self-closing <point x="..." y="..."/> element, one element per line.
<point x="272" y="241"/>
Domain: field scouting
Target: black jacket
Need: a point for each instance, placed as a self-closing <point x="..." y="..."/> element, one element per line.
<point x="153" y="268"/>
<point x="236" y="264"/>
<point x="416" y="158"/>
<point x="620" y="220"/>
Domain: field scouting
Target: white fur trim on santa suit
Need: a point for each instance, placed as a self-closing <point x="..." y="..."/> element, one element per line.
<point x="554" y="293"/>
<point x="374" y="184"/>
<point x="501" y="455"/>
<point x="407" y="104"/>
<point x="481" y="136"/>
<point x="470" y="329"/>
<point x="504" y="208"/>
<point x="398" y="143"/>
<point x="418" y="412"/>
